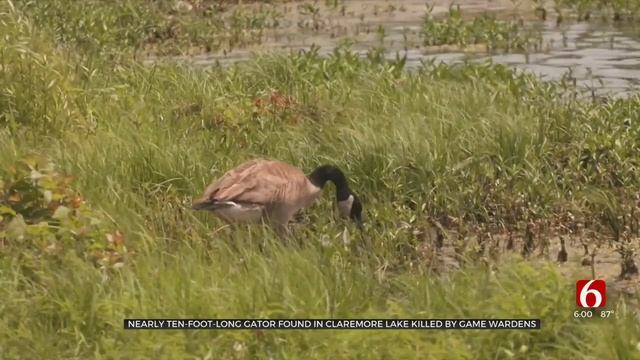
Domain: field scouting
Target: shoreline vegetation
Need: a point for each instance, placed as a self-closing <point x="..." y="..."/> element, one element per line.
<point x="471" y="176"/>
<point x="168" y="27"/>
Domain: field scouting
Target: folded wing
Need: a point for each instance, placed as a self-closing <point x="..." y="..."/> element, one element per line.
<point x="258" y="181"/>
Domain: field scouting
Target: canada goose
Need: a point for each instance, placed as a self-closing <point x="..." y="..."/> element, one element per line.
<point x="273" y="191"/>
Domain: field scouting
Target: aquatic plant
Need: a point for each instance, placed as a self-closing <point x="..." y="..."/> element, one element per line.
<point x="485" y="29"/>
<point x="625" y="11"/>
<point x="159" y="28"/>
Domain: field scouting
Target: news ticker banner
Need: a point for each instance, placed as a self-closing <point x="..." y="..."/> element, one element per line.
<point x="332" y="324"/>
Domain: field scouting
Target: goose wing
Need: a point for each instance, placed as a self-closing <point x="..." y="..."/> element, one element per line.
<point x="256" y="182"/>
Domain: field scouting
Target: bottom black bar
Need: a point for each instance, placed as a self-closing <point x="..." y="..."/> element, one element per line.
<point x="333" y="324"/>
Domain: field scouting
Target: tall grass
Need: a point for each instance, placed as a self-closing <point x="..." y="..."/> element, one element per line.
<point x="157" y="27"/>
<point x="485" y="29"/>
<point x="619" y="11"/>
<point x="477" y="144"/>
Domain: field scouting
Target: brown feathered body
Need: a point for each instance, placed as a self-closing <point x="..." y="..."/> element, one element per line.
<point x="259" y="190"/>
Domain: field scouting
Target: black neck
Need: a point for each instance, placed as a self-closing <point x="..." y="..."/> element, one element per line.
<point x="324" y="173"/>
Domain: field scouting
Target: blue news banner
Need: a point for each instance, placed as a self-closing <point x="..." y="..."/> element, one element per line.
<point x="332" y="324"/>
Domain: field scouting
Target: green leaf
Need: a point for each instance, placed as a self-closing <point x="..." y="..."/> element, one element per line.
<point x="48" y="195"/>
<point x="5" y="210"/>
<point x="36" y="175"/>
<point x="61" y="212"/>
<point x="39" y="229"/>
<point x="16" y="227"/>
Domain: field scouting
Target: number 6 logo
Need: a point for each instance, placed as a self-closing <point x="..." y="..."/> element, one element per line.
<point x="591" y="293"/>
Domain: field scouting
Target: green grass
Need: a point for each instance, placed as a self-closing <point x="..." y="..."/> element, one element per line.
<point x="163" y="27"/>
<point x="485" y="29"/>
<point x="619" y="11"/>
<point x="479" y="144"/>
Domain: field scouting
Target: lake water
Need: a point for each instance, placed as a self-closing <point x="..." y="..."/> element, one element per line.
<point x="603" y="59"/>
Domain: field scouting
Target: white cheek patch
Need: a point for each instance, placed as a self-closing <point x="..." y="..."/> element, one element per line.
<point x="345" y="206"/>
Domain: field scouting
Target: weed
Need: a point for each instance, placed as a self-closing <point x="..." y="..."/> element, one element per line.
<point x="589" y="10"/>
<point x="485" y="29"/>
